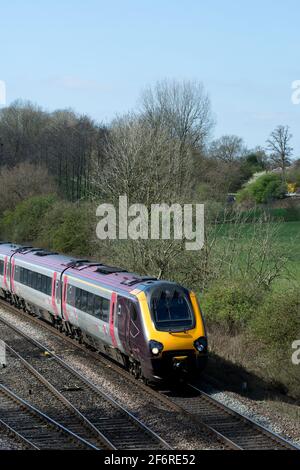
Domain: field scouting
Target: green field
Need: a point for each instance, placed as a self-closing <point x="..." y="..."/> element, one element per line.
<point x="287" y="241"/>
<point x="289" y="238"/>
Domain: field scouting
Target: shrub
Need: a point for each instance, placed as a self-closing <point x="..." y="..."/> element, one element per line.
<point x="23" y="182"/>
<point x="277" y="326"/>
<point x="67" y="229"/>
<point x="277" y="322"/>
<point x="231" y="304"/>
<point x="264" y="189"/>
<point x="24" y="223"/>
<point x="50" y="223"/>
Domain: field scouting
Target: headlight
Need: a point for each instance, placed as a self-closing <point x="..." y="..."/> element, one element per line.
<point x="155" y="347"/>
<point x="201" y="344"/>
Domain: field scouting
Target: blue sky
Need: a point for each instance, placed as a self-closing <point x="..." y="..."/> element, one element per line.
<point x="96" y="56"/>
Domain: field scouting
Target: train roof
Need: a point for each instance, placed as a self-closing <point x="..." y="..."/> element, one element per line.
<point x="111" y="277"/>
<point x="8" y="248"/>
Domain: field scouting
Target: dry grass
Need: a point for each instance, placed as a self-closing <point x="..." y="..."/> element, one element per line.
<point x="243" y="365"/>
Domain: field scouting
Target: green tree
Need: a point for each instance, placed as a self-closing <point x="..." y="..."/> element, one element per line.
<point x="263" y="190"/>
<point x="23" y="224"/>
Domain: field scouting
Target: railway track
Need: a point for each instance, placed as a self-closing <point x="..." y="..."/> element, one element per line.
<point x="35" y="429"/>
<point x="231" y="429"/>
<point x="241" y="432"/>
<point x="104" y="423"/>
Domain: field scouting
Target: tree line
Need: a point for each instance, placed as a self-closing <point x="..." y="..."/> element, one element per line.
<point x="61" y="142"/>
<point x="164" y="146"/>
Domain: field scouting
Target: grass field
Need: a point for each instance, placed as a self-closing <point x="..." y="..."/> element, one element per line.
<point x="255" y="345"/>
<point x="287" y="242"/>
<point x="289" y="238"/>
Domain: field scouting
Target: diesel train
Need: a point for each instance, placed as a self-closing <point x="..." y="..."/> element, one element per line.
<point x="152" y="327"/>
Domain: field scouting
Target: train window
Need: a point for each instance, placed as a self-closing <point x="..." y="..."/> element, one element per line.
<point x="49" y="285"/>
<point x="29" y="278"/>
<point x="90" y="303"/>
<point x="57" y="291"/>
<point x="34" y="280"/>
<point x="171" y="309"/>
<point x="77" y="298"/>
<point x="44" y="284"/>
<point x="1" y="267"/>
<point x="97" y="306"/>
<point x="39" y="282"/>
<point x="105" y="310"/>
<point x="17" y="273"/>
<point x="83" y="300"/>
<point x="36" y="276"/>
<point x="70" y="295"/>
<point x="25" y="276"/>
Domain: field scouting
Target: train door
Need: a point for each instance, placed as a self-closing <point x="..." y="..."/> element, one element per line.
<point x="57" y="296"/>
<point x="121" y="320"/>
<point x="129" y="326"/>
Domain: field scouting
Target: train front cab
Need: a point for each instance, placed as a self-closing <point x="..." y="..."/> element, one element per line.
<point x="176" y="342"/>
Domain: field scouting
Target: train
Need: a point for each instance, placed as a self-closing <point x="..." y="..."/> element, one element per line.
<point x="153" y="328"/>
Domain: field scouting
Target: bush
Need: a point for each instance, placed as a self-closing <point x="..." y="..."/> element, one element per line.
<point x="232" y="304"/>
<point x="277" y="326"/>
<point x="50" y="223"/>
<point x="67" y="229"/>
<point x="23" y="182"/>
<point x="23" y="224"/>
<point x="277" y="323"/>
<point x="263" y="190"/>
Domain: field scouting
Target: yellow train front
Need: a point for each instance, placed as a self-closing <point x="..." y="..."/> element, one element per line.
<point x="174" y="335"/>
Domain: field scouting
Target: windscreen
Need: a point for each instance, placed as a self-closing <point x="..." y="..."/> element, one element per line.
<point x="171" y="309"/>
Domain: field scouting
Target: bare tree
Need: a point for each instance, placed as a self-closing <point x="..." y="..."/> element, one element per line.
<point x="62" y="141"/>
<point x="23" y="181"/>
<point x="144" y="163"/>
<point x="228" y="148"/>
<point x="183" y="108"/>
<point x="279" y="147"/>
